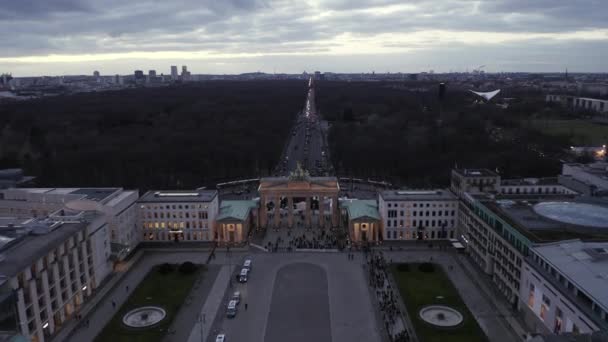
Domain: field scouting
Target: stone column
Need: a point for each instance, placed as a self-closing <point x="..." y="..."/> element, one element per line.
<point x="263" y="212"/>
<point x="335" y="212"/>
<point x="307" y="212"/>
<point x="277" y="212"/>
<point x="321" y="211"/>
<point x="290" y="211"/>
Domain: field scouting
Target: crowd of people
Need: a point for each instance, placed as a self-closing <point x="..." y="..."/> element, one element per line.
<point x="378" y="278"/>
<point x="320" y="239"/>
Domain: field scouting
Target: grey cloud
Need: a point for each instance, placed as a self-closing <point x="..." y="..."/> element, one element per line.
<point x="39" y="27"/>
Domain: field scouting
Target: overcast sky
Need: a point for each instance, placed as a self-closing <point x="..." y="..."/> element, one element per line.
<point x="51" y="37"/>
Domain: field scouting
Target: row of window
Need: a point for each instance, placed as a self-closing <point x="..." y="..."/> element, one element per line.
<point x="421" y="205"/>
<point x="393" y="213"/>
<point x="175" y="206"/>
<point x="202" y="215"/>
<point x="420" y="223"/>
<point x="416" y="235"/>
<point x="187" y="225"/>
<point x="531" y="190"/>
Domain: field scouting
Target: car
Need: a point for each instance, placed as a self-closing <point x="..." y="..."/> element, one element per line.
<point x="220" y="338"/>
<point x="236" y="296"/>
<point x="231" y="310"/>
<point x="248" y="264"/>
<point x="244" y="275"/>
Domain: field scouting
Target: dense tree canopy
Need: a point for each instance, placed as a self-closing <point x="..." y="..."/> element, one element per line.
<point x="181" y="136"/>
<point x="401" y="133"/>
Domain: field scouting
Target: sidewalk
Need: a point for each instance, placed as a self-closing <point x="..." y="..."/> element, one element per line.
<point x="495" y="299"/>
<point x="67" y="329"/>
<point x="211" y="306"/>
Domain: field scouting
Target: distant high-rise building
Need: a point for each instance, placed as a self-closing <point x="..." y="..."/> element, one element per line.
<point x="96" y="74"/>
<point x="118" y="79"/>
<point x="139" y="75"/>
<point x="174" y="72"/>
<point x="152" y="73"/>
<point x="185" y="73"/>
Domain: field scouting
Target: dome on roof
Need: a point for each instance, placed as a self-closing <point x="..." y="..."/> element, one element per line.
<point x="582" y="214"/>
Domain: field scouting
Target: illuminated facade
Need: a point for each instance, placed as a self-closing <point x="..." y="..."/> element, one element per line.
<point x="178" y="215"/>
<point x="418" y="215"/>
<point x="564" y="287"/>
<point x="49" y="269"/>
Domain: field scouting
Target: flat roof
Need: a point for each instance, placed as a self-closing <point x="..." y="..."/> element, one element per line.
<point x="530" y="181"/>
<point x="361" y="209"/>
<point x="114" y="201"/>
<point x="236" y="210"/>
<point x="520" y="213"/>
<point x="93" y="194"/>
<point x="29" y="248"/>
<point x="583" y="263"/>
<point x="169" y="196"/>
<point x="96" y="194"/>
<point x="417" y="195"/>
<point x="476" y="172"/>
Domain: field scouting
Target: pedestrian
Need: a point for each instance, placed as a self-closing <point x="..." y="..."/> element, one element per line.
<point x="87" y="323"/>
<point x="127" y="288"/>
<point x="245" y="306"/>
<point x="113" y="305"/>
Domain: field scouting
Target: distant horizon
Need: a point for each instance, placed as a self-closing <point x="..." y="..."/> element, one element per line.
<point x="311" y="73"/>
<point x="75" y="37"/>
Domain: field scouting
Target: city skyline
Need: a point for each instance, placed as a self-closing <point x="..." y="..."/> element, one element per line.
<point x="239" y="36"/>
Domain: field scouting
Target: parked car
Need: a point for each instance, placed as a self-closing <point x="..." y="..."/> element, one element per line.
<point x="244" y="275"/>
<point x="248" y="264"/>
<point x="231" y="311"/>
<point x="236" y="296"/>
<point x="220" y="338"/>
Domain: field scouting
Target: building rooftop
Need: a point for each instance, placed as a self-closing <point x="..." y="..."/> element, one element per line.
<point x="30" y="242"/>
<point x="361" y="209"/>
<point x="417" y="195"/>
<point x="529" y="181"/>
<point x="529" y="215"/>
<point x="165" y="196"/>
<point x="476" y="172"/>
<point x="584" y="264"/>
<point x="236" y="210"/>
<point x="95" y="194"/>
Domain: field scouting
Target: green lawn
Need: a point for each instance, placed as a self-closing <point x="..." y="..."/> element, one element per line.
<point x="420" y="289"/>
<point x="582" y="133"/>
<point x="165" y="290"/>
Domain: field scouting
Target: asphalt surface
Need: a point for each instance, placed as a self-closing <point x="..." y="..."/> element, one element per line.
<point x="300" y="297"/>
<point x="307" y="144"/>
<point x="299" y="311"/>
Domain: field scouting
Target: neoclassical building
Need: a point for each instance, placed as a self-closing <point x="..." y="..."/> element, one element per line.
<point x="300" y="200"/>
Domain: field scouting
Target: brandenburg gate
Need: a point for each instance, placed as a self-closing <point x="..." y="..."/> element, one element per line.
<point x="299" y="193"/>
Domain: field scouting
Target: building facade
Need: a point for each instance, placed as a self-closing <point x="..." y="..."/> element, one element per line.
<point x="116" y="203"/>
<point x="564" y="287"/>
<point x="178" y="215"/>
<point x="418" y="215"/>
<point x="49" y="269"/>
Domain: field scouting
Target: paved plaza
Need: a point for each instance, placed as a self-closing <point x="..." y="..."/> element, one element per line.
<point x="298" y="296"/>
<point x="326" y="290"/>
<point x="299" y="310"/>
